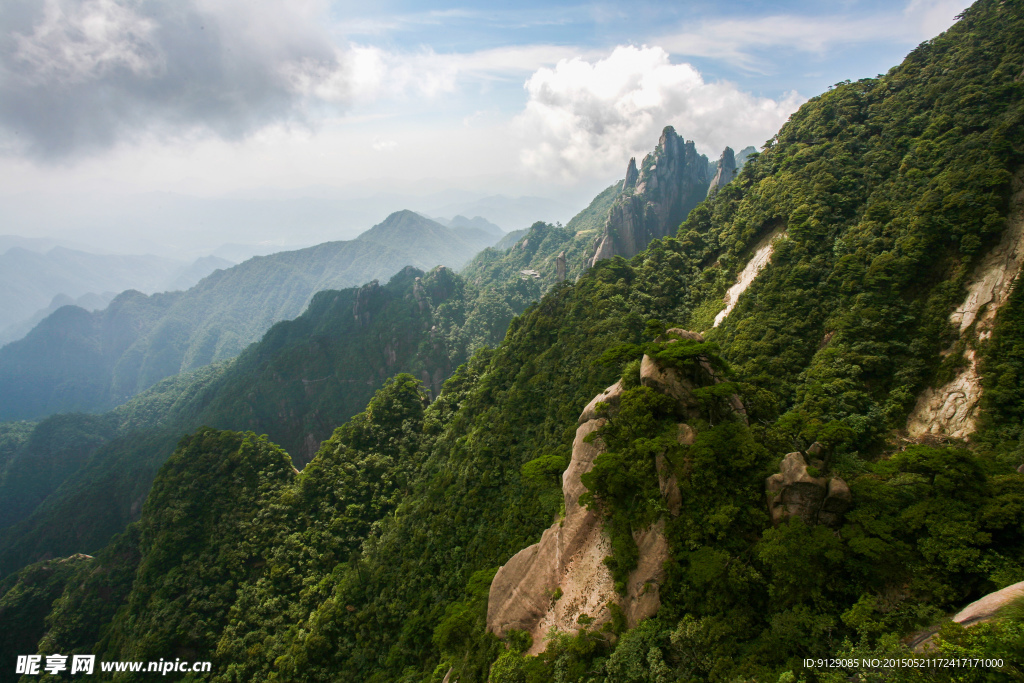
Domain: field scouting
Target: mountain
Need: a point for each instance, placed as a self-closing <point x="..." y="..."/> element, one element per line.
<point x="510" y="239"/>
<point x="79" y="361"/>
<point x="478" y="222"/>
<point x="30" y="279"/>
<point x="531" y="256"/>
<point x="89" y="302"/>
<point x="510" y="213"/>
<point x="827" y="471"/>
<point x="725" y="171"/>
<point x="303" y="378"/>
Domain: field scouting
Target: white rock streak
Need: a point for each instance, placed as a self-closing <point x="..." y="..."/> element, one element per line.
<point x="951" y="410"/>
<point x="762" y="255"/>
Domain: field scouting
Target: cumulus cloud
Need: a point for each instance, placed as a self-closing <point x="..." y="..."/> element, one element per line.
<point x="587" y="118"/>
<point x="81" y="75"/>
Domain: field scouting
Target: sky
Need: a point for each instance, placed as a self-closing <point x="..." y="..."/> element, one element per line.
<point x="178" y="125"/>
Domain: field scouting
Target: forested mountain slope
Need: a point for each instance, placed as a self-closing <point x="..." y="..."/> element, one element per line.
<point x="80" y="361"/>
<point x="374" y="564"/>
<point x="301" y="379"/>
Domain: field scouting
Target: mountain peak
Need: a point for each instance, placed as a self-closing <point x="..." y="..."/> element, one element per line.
<point x="671" y="181"/>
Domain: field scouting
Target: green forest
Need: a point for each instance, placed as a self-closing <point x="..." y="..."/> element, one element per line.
<point x="202" y="539"/>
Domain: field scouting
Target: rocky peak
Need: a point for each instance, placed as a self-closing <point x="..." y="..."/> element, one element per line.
<point x="632" y="175"/>
<point x="671" y="181"/>
<point x="726" y="171"/>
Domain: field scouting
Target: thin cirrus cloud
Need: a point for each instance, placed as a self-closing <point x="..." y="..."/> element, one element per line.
<point x="81" y="76"/>
<point x="584" y="118"/>
<point x="740" y="41"/>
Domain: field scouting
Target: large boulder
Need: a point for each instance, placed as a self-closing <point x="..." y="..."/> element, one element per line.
<point x="610" y="397"/>
<point x="794" y="492"/>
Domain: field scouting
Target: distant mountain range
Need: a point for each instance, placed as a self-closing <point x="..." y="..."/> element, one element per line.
<point x="185" y="227"/>
<point x="75" y="360"/>
<point x="30" y="278"/>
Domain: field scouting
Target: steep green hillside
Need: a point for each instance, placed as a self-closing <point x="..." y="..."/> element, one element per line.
<point x="374" y="563"/>
<point x="40" y="457"/>
<point x="79" y="361"/>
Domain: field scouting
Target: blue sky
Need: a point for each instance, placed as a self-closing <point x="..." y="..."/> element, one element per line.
<point x="112" y="98"/>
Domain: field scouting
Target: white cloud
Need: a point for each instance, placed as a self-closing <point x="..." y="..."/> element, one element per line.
<point x="380" y="145"/>
<point x="587" y="118"/>
<point x="932" y="17"/>
<point x="365" y="74"/>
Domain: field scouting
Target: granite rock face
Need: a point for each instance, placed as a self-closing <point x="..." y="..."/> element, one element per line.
<point x="978" y="612"/>
<point x="950" y="411"/>
<point x="632" y="175"/>
<point x="554" y="582"/>
<point x="671" y="181"/>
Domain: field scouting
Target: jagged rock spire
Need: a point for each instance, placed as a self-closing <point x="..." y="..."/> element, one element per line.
<point x="726" y="171"/>
<point x="631" y="175"/>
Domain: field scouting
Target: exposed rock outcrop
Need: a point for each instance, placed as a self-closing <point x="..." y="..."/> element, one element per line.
<point x="988" y="607"/>
<point x="762" y="255"/>
<point x="554" y="582"/>
<point x="743" y="155"/>
<point x="978" y="612"/>
<point x="560" y="266"/>
<point x="671" y="181"/>
<point x="367" y="301"/>
<point x="950" y="411"/>
<point x="990" y="287"/>
<point x="670" y="381"/>
<point x="794" y="492"/>
<point x="726" y="171"/>
<point x="610" y="396"/>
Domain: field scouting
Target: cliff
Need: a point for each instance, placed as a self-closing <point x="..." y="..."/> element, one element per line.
<point x="565" y="579"/>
